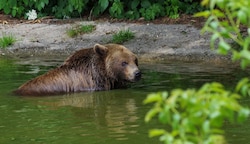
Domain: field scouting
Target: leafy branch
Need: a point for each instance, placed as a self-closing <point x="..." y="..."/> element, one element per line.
<point x="195" y="116"/>
<point x="224" y="21"/>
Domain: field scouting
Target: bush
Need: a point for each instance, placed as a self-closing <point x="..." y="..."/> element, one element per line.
<point x="224" y="20"/>
<point x="18" y="8"/>
<point x="197" y="116"/>
<point x="57" y="8"/>
<point x="129" y="9"/>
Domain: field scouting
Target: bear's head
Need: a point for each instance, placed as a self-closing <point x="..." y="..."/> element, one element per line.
<point x="120" y="63"/>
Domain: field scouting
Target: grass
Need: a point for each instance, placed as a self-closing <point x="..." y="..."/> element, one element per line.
<point x="73" y="32"/>
<point x="87" y="28"/>
<point x="122" y="36"/>
<point x="6" y="41"/>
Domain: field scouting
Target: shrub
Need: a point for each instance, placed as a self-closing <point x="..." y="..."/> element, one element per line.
<point x="197" y="116"/>
<point x="153" y="11"/>
<point x="130" y="9"/>
<point x="58" y="8"/>
<point x="18" y="8"/>
<point x="224" y="20"/>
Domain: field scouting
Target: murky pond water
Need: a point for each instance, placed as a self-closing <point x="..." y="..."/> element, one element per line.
<point x="112" y="117"/>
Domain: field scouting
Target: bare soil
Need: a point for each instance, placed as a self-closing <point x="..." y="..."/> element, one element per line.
<point x="161" y="39"/>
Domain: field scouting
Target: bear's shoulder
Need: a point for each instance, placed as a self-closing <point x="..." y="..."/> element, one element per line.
<point x="80" y="56"/>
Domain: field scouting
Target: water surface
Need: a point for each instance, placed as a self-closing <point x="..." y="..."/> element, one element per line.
<point x="112" y="117"/>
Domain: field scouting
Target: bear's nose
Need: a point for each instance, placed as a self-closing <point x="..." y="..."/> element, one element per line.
<point x="137" y="75"/>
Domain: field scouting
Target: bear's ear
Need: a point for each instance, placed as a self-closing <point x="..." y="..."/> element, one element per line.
<point x="100" y="49"/>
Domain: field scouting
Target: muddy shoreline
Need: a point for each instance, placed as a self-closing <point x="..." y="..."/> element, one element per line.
<point x="152" y="41"/>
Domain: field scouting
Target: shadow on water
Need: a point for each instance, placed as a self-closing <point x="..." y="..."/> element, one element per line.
<point x="115" y="116"/>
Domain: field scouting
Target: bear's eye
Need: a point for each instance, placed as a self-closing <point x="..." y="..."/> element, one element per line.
<point x="124" y="63"/>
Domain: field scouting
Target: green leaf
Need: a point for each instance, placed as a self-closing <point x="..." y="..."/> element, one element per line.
<point x="241" y="83"/>
<point x="203" y="14"/>
<point x="243" y="114"/>
<point x="96" y="10"/>
<point x="116" y="10"/>
<point x="236" y="55"/>
<point x="154" y="97"/>
<point x="134" y="4"/>
<point x="212" y="4"/>
<point x="246" y="44"/>
<point x="164" y="117"/>
<point x="42" y="5"/>
<point x="224" y="32"/>
<point x="218" y="13"/>
<point x="215" y="114"/>
<point x="151" y="113"/>
<point x="168" y="139"/>
<point x="156" y="132"/>
<point x="214" y="25"/>
<point x="2" y="4"/>
<point x="244" y="90"/>
<point x="14" y="11"/>
<point x="242" y="16"/>
<point x="245" y="54"/>
<point x="213" y="38"/>
<point x="206" y="126"/>
<point x="7" y="10"/>
<point x="26" y="2"/>
<point x="244" y="63"/>
<point x="223" y="47"/>
<point x="164" y="95"/>
<point x="204" y="2"/>
<point x="104" y="4"/>
<point x="176" y="120"/>
<point x="145" y="4"/>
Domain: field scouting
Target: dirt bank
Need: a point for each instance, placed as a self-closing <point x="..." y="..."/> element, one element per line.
<point x="152" y="41"/>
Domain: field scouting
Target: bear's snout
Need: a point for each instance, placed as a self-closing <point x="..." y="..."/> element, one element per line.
<point x="134" y="76"/>
<point x="137" y="75"/>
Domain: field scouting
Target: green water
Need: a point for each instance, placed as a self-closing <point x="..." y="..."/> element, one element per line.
<point x="112" y="117"/>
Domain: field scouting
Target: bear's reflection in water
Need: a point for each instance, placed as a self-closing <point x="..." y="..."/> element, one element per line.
<point x="115" y="110"/>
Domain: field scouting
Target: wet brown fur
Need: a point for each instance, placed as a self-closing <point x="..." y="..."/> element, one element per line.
<point x="91" y="69"/>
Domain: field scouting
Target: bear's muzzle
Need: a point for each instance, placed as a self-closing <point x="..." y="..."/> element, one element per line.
<point x="137" y="75"/>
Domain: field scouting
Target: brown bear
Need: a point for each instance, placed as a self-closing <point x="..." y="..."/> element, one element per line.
<point x="103" y="67"/>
